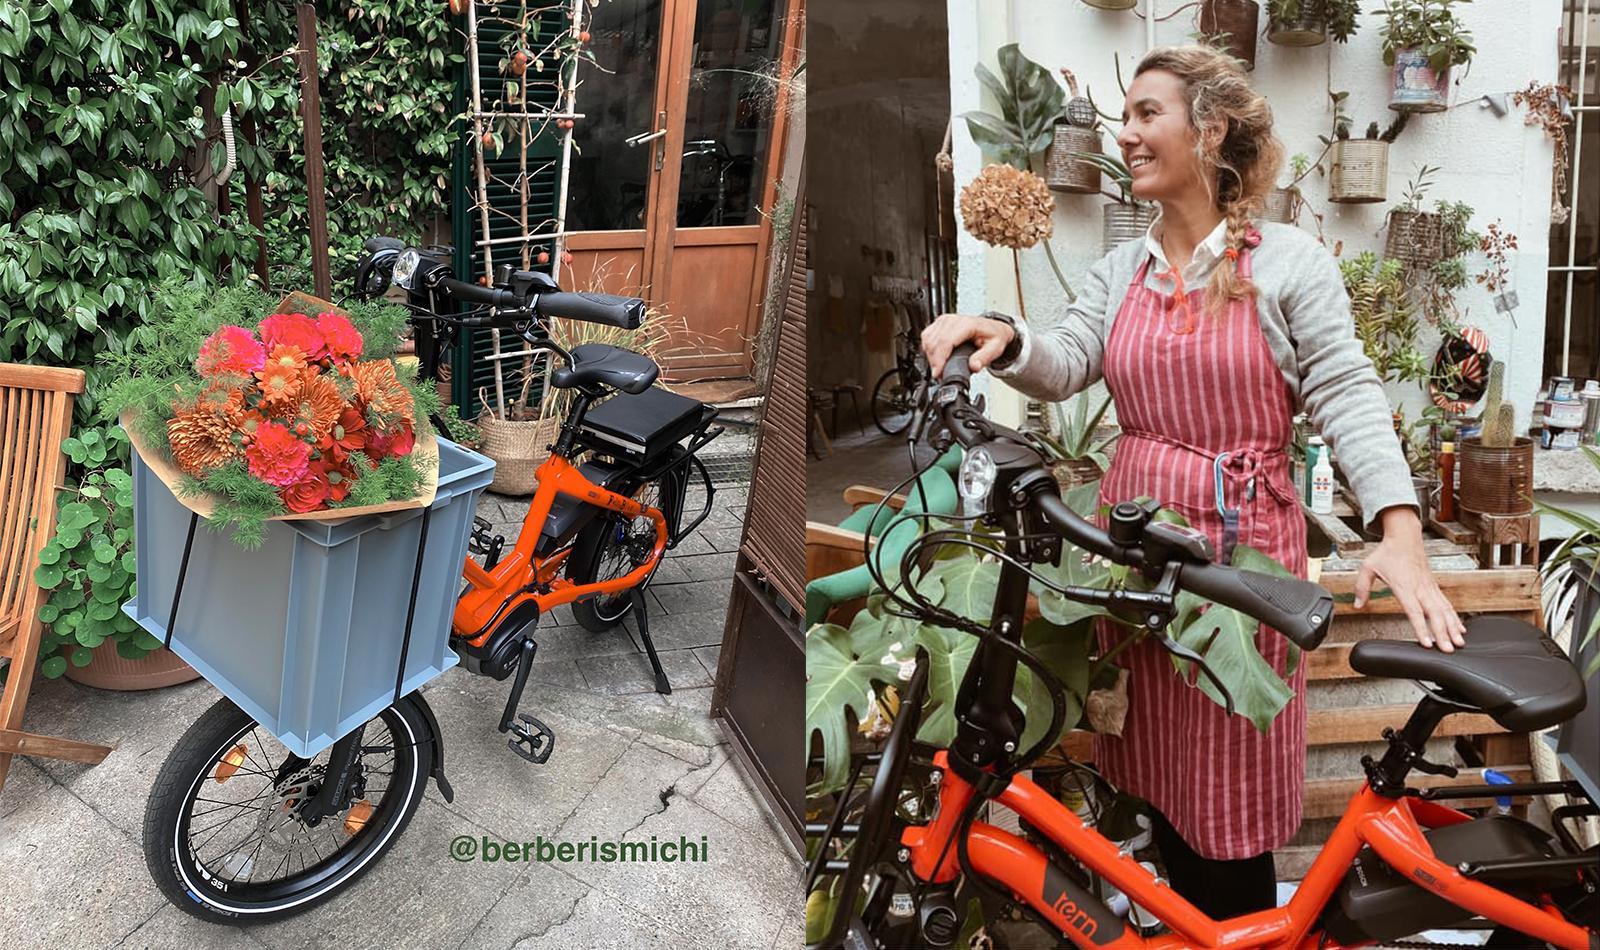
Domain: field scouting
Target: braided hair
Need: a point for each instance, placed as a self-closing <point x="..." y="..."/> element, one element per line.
<point x="1242" y="167"/>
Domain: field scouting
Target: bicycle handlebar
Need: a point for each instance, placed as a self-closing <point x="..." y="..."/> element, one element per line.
<point x="475" y="294"/>
<point x="1299" y="609"/>
<point x="607" y="309"/>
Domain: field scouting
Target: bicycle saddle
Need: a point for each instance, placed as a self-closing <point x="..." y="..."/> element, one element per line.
<point x="598" y="364"/>
<point x="1508" y="669"/>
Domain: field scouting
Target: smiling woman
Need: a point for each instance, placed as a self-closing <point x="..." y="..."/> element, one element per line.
<point x="1211" y="331"/>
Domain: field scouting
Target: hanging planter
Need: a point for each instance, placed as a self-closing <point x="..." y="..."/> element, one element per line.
<point x="1233" y="24"/>
<point x="1359" y="172"/>
<point x="1112" y="4"/>
<point x="1075" y="131"/>
<point x="1125" y="222"/>
<point x="1302" y="31"/>
<point x="1415" y="237"/>
<point x="1280" y="205"/>
<point x="1415" y="86"/>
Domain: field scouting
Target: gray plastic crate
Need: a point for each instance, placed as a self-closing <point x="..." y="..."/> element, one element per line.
<point x="305" y="633"/>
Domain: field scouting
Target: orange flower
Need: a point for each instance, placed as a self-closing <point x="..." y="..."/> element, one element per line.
<point x="286" y="355"/>
<point x="279" y="384"/>
<point x="382" y="392"/>
<point x="201" y="437"/>
<point x="320" y="405"/>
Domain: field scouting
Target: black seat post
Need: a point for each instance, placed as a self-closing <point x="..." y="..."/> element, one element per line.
<point x="571" y="424"/>
<point x="1406" y="746"/>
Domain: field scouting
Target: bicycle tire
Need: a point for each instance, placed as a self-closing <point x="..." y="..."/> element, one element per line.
<point x="610" y="547"/>
<point x="891" y="410"/>
<point x="213" y="891"/>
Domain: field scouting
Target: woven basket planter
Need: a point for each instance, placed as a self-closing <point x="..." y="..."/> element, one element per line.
<point x="1238" y="19"/>
<point x="1304" y="31"/>
<point x="1124" y="223"/>
<point x="1415" y="86"/>
<point x="518" y="449"/>
<point x="1360" y="171"/>
<point x="1062" y="172"/>
<point x="1415" y="237"/>
<point x="108" y="669"/>
<point x="1496" y="481"/>
<point x="1280" y="205"/>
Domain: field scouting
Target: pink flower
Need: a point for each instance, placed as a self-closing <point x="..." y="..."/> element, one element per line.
<point x="295" y="329"/>
<point x="275" y="456"/>
<point x="230" y="351"/>
<point x="398" y="442"/>
<point x="344" y="341"/>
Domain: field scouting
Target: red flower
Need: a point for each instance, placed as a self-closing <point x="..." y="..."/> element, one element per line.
<point x="344" y="341"/>
<point x="339" y="475"/>
<point x="295" y="329"/>
<point x="230" y="350"/>
<point x="308" y="494"/>
<point x="349" y="434"/>
<point x="275" y="456"/>
<point x="396" y="443"/>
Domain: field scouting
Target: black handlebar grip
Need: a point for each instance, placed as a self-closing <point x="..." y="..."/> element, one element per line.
<point x="473" y="293"/>
<point x="958" y="368"/>
<point x="626" y="313"/>
<point x="1300" y="610"/>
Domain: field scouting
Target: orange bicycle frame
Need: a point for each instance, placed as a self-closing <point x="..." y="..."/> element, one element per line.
<point x="522" y="576"/>
<point x="1392" y="827"/>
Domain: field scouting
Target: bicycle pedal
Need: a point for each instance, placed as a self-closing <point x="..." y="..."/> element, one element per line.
<point x="533" y="741"/>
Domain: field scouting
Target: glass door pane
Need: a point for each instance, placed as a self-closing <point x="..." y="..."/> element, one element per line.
<point x="733" y="89"/>
<point x="609" y="180"/>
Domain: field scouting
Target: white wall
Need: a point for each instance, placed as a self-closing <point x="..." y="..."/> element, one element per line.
<point x="1499" y="165"/>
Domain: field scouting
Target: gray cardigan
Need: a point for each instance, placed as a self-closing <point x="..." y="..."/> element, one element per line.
<point x="1305" y="315"/>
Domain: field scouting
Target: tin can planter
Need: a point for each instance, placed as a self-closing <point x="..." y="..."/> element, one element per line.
<point x="1496" y="481"/>
<point x="1063" y="172"/>
<point x="1359" y="172"/>
<point x="1112" y="4"/>
<point x="1415" y="86"/>
<point x="1302" y="31"/>
<point x="1415" y="237"/>
<point x="1280" y="205"/>
<point x="327" y="622"/>
<point x="1125" y="222"/>
<point x="1237" y="19"/>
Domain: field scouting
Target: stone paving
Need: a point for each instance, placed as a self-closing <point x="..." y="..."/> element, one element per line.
<point x="628" y="764"/>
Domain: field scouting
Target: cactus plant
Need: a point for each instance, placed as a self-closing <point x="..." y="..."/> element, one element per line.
<point x="1500" y="432"/>
<point x="1491" y="396"/>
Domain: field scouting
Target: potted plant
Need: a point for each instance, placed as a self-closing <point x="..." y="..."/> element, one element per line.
<point x="1309" y="22"/>
<point x="1112" y="4"/>
<point x="1231" y="25"/>
<point x="1422" y="40"/>
<point x="1497" y="464"/>
<point x="1415" y="237"/>
<point x="1077" y="129"/>
<point x="1283" y="204"/>
<point x="1359" y="168"/>
<point x="1126" y="217"/>
<point x="1076" y="457"/>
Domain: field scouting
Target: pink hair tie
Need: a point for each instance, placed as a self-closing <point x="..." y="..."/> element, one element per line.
<point x="1252" y="237"/>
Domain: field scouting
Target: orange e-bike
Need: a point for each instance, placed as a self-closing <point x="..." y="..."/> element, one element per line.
<point x="241" y="830"/>
<point x="903" y="851"/>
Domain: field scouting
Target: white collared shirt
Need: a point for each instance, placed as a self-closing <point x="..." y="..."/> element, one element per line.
<point x="1205" y="254"/>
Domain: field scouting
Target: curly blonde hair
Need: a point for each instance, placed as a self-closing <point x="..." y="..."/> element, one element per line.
<point x="1243" y="166"/>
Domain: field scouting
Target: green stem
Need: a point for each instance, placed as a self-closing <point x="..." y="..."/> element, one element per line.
<point x="1071" y="297"/>
<point x="1110" y="655"/>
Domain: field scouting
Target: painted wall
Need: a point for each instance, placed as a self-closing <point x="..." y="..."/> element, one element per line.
<point x="1499" y="165"/>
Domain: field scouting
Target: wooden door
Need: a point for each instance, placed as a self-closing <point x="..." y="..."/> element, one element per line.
<point x="672" y="201"/>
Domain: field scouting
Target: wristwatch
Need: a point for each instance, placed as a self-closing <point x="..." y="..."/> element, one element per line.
<point x="1014" y="348"/>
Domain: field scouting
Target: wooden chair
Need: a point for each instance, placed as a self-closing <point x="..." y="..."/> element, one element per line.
<point x="35" y="417"/>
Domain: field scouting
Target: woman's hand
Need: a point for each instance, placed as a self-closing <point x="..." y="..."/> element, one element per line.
<point x="953" y="329"/>
<point x="1401" y="562"/>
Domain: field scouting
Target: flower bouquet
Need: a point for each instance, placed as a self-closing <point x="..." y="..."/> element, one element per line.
<point x="251" y="412"/>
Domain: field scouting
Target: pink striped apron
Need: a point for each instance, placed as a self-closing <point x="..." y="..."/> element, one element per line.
<point x="1187" y="387"/>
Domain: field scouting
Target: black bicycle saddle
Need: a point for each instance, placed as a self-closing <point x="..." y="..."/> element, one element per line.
<point x="598" y="364"/>
<point x="1508" y="669"/>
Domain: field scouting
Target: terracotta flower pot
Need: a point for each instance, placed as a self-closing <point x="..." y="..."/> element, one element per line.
<point x="109" y="669"/>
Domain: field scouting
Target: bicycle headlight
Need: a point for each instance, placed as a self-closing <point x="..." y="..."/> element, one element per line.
<point x="976" y="479"/>
<point x="406" y="267"/>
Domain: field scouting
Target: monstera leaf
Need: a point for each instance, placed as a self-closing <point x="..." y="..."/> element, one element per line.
<point x="1065" y="653"/>
<point x="841" y="666"/>
<point x="1029" y="99"/>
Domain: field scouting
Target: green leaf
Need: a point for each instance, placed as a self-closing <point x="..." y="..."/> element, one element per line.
<point x="81" y="656"/>
<point x="1227" y="640"/>
<point x="48" y="576"/>
<point x="949" y="653"/>
<point x="53" y="667"/>
<point x="1065" y="653"/>
<point x="839" y="678"/>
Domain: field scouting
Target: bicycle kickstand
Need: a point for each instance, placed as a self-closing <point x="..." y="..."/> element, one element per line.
<point x="641" y="619"/>
<point x="530" y="738"/>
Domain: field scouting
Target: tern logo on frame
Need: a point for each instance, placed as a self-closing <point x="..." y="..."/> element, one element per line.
<point x="1081" y="911"/>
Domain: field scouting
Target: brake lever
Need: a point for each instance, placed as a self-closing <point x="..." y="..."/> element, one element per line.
<point x="1182" y="652"/>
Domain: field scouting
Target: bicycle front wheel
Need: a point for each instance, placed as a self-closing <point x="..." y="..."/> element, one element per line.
<point x="892" y="402"/>
<point x="223" y="835"/>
